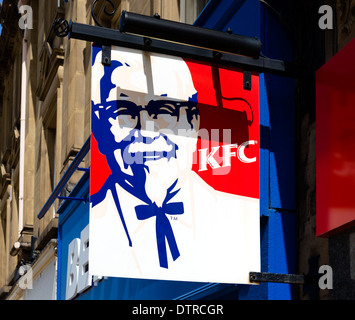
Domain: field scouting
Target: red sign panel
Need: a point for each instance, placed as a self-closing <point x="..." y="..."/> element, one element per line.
<point x="335" y="116"/>
<point x="223" y="105"/>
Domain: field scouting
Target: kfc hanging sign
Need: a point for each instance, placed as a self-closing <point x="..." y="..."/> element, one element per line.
<point x="174" y="169"/>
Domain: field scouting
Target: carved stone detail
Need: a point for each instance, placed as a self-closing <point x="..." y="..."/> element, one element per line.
<point x="51" y="57"/>
<point x="346" y="9"/>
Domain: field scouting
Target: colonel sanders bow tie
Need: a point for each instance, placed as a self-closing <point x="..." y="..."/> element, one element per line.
<point x="163" y="227"/>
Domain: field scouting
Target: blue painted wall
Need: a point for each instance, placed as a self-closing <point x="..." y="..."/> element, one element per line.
<point x="272" y="24"/>
<point x="277" y="163"/>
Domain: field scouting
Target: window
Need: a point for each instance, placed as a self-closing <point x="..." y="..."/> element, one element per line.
<point x="50" y="138"/>
<point x="48" y="158"/>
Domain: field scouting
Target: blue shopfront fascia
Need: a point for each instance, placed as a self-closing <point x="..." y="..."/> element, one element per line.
<point x="277" y="170"/>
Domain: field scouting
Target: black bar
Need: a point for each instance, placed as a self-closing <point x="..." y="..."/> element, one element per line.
<point x="188" y="34"/>
<point x="107" y="36"/>
<point x="73" y="166"/>
<point x="276" y="277"/>
<point x="73" y="198"/>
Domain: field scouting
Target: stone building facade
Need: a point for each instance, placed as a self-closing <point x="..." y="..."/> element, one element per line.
<point x="45" y="119"/>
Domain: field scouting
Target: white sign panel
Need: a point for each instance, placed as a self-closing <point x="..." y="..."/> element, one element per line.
<point x="174" y="170"/>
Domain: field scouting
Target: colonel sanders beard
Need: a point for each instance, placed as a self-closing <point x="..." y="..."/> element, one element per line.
<point x="158" y="175"/>
<point x="161" y="174"/>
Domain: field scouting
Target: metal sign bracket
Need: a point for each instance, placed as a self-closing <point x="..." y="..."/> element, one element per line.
<point x="110" y="37"/>
<point x="106" y="55"/>
<point x="257" y="277"/>
<point x="247" y="80"/>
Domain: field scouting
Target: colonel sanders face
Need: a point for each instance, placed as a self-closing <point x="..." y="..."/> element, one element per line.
<point x="145" y="108"/>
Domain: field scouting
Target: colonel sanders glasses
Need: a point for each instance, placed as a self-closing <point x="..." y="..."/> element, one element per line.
<point x="161" y="111"/>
